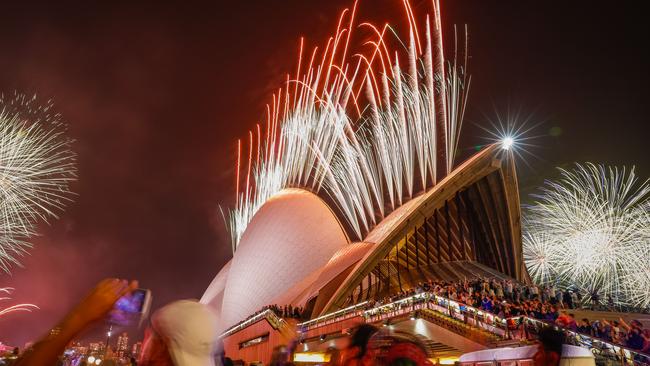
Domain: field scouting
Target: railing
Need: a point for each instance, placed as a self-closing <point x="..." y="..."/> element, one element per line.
<point x="274" y="320"/>
<point x="519" y="328"/>
<point x="467" y="314"/>
<point x="334" y="317"/>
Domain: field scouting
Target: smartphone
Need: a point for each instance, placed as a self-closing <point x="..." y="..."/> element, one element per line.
<point x="132" y="308"/>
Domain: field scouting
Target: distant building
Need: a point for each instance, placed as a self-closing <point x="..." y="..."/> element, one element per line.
<point x="97" y="348"/>
<point x="122" y="345"/>
<point x="77" y="348"/>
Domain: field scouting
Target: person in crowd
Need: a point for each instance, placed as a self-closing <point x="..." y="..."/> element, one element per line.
<point x="634" y="330"/>
<point x="646" y="341"/>
<point x="182" y="333"/>
<point x="549" y="348"/>
<point x="574" y="299"/>
<point x="585" y="327"/>
<point x="92" y="309"/>
<point x="356" y="354"/>
<point x="280" y="356"/>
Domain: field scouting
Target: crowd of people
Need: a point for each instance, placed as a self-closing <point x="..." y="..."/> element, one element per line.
<point x="506" y="299"/>
<point x="286" y="311"/>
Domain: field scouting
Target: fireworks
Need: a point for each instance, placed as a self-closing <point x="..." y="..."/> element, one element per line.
<point x="370" y="128"/>
<point x="4" y="291"/>
<point x="36" y="167"/>
<point x="591" y="229"/>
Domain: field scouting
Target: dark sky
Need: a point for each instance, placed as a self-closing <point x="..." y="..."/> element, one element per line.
<point x="157" y="94"/>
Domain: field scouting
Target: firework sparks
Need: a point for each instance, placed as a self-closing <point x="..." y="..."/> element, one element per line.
<point x="4" y="295"/>
<point x="36" y="167"/>
<point x="590" y="229"/>
<point x="369" y="152"/>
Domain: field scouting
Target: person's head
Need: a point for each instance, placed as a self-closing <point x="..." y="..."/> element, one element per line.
<point x="361" y="337"/>
<point x="280" y="356"/>
<point x="183" y="332"/>
<point x="549" y="349"/>
<point x="636" y="324"/>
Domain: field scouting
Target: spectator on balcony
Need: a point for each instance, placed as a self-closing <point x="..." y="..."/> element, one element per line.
<point x="558" y="297"/>
<point x="566" y="299"/>
<point x="595" y="300"/>
<point x="634" y="332"/>
<point x="575" y="300"/>
<point x="585" y="327"/>
<point x="549" y="349"/>
<point x="486" y="304"/>
<point x="508" y="290"/>
<point x="646" y="340"/>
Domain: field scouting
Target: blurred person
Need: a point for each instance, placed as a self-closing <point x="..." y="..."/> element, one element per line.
<point x="280" y="356"/>
<point x="646" y="341"/>
<point x="92" y="309"/>
<point x="634" y="339"/>
<point x="585" y="327"/>
<point x="574" y="299"/>
<point x="356" y="354"/>
<point x="182" y="333"/>
<point x="549" y="348"/>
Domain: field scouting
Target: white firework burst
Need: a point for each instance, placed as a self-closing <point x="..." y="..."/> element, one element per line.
<point x="36" y="167"/>
<point x="4" y="295"/>
<point x="364" y="129"/>
<point x="589" y="230"/>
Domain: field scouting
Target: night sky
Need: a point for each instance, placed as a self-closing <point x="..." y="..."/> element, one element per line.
<point x="157" y="94"/>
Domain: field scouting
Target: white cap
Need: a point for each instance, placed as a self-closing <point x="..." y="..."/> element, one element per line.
<point x="189" y="329"/>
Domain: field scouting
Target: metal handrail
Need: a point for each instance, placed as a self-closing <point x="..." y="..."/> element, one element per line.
<point x="338" y="315"/>
<point x="274" y="320"/>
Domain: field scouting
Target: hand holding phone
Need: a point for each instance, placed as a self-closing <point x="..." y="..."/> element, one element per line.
<point x="131" y="308"/>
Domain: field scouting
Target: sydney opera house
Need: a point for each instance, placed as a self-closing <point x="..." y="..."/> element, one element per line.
<point x="351" y="194"/>
<point x="351" y="204"/>
<point x="296" y="251"/>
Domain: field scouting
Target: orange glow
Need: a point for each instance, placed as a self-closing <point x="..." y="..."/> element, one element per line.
<point x="238" y="164"/>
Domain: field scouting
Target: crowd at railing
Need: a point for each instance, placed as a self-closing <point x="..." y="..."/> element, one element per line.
<point x="505" y="308"/>
<point x="508" y="299"/>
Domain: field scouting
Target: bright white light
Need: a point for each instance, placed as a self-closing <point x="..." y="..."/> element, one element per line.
<point x="507" y="143"/>
<point x="591" y="230"/>
<point x="98" y="361"/>
<point x="91" y="359"/>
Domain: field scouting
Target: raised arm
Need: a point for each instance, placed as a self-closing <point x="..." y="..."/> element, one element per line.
<point x="94" y="307"/>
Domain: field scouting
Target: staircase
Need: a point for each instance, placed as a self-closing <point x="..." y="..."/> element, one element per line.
<point x="437" y="349"/>
<point x="473" y="333"/>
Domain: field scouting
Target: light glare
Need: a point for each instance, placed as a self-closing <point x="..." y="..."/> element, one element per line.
<point x="507" y="143"/>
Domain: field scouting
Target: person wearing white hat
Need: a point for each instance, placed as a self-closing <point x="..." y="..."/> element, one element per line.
<point x="182" y="333"/>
